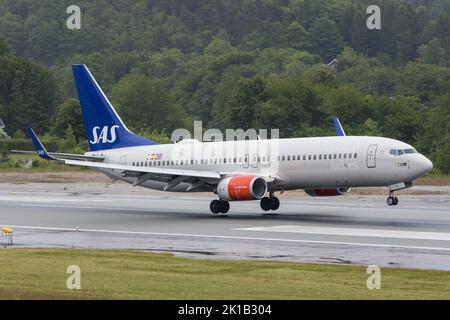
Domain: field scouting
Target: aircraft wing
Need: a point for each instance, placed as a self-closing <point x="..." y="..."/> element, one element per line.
<point x="151" y="170"/>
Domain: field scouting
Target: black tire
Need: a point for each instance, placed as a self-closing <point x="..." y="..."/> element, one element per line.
<point x="395" y="201"/>
<point x="274" y="203"/>
<point x="224" y="206"/>
<point x="390" y="201"/>
<point x="265" y="203"/>
<point x="215" y="206"/>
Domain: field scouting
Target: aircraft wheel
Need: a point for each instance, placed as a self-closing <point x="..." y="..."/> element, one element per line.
<point x="395" y="201"/>
<point x="215" y="206"/>
<point x="274" y="203"/>
<point x="224" y="206"/>
<point x="390" y="201"/>
<point x="265" y="203"/>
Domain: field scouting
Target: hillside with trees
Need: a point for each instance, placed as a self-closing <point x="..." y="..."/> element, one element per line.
<point x="233" y="64"/>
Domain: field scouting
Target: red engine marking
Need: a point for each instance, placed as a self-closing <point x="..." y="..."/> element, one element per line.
<point x="239" y="188"/>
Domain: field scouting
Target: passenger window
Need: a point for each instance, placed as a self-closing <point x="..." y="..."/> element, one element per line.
<point x="288" y="158"/>
<point x="320" y="157"/>
<point x="335" y="155"/>
<point x="325" y="157"/>
<point x="309" y="157"/>
<point x="349" y="155"/>
<point x="234" y="160"/>
<point x="314" y="157"/>
<point x="355" y="155"/>
<point x="345" y="156"/>
<point x="304" y="157"/>
<point x="340" y="155"/>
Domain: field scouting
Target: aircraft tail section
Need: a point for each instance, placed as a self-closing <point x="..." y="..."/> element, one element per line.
<point x="104" y="128"/>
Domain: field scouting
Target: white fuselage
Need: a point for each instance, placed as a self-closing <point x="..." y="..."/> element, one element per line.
<point x="296" y="163"/>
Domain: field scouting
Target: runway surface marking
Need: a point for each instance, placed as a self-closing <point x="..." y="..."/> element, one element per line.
<point x="227" y="237"/>
<point x="358" y="232"/>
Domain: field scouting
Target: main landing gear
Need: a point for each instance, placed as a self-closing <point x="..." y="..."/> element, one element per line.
<point x="392" y="200"/>
<point x="270" y="203"/>
<point x="219" y="206"/>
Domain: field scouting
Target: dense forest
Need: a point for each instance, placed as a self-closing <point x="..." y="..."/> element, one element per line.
<point x="233" y="64"/>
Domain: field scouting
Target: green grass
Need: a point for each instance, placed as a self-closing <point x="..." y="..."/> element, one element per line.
<point x="16" y="162"/>
<point x="40" y="274"/>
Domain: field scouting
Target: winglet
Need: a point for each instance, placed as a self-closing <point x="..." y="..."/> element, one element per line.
<point x="337" y="124"/>
<point x="40" y="149"/>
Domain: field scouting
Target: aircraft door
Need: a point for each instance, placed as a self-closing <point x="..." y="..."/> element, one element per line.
<point x="254" y="160"/>
<point x="246" y="161"/>
<point x="371" y="156"/>
<point x="123" y="160"/>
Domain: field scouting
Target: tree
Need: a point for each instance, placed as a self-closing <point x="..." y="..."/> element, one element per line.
<point x="238" y="113"/>
<point x="69" y="114"/>
<point x="325" y="38"/>
<point x="144" y="103"/>
<point x="28" y="94"/>
<point x="432" y="53"/>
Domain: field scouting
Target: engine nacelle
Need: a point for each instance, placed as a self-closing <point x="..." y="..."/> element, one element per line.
<point x="327" y="192"/>
<point x="243" y="187"/>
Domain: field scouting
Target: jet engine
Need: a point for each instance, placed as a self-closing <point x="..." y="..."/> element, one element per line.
<point x="243" y="187"/>
<point x="327" y="192"/>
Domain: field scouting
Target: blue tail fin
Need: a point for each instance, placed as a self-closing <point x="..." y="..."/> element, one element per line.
<point x="40" y="149"/>
<point x="104" y="128"/>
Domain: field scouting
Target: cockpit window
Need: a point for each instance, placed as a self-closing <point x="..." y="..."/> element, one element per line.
<point x="399" y="152"/>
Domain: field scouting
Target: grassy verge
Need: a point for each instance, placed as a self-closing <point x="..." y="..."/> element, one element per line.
<point x="41" y="274"/>
<point x="16" y="163"/>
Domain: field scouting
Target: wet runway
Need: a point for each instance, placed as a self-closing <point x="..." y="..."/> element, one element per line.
<point x="347" y="230"/>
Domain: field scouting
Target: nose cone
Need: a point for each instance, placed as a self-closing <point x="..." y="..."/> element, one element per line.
<point x="424" y="165"/>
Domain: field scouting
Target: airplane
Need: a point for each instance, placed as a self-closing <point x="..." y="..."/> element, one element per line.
<point x="239" y="170"/>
